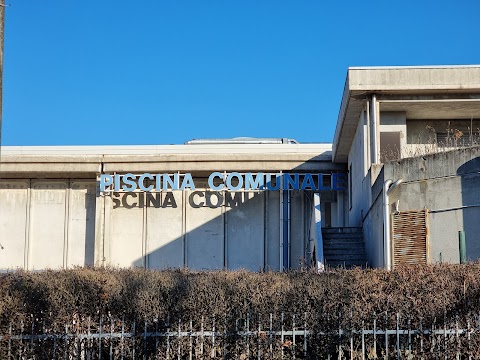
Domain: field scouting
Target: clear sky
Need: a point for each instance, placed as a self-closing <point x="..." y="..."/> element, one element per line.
<point x="167" y="71"/>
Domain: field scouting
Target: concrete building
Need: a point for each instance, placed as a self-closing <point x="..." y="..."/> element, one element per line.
<point x="411" y="125"/>
<point x="53" y="214"/>
<point x="406" y="136"/>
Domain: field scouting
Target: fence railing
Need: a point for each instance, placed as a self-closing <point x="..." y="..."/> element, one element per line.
<point x="268" y="337"/>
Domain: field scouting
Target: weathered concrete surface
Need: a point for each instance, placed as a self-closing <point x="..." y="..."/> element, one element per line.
<point x="448" y="185"/>
<point x="46" y="223"/>
<point x="414" y="78"/>
<point x="454" y="91"/>
<point x="61" y="224"/>
<point x="442" y="164"/>
<point x="84" y="160"/>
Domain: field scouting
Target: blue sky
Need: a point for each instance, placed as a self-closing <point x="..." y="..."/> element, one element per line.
<point x="164" y="72"/>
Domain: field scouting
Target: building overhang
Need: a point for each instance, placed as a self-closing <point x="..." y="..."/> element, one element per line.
<point x="89" y="161"/>
<point x="424" y="92"/>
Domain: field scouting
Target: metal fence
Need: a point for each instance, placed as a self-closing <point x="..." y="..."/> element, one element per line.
<point x="267" y="337"/>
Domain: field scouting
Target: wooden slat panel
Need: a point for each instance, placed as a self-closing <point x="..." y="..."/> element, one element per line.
<point x="410" y="237"/>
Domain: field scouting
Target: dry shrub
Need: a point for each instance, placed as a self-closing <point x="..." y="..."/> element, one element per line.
<point x="422" y="296"/>
<point x="337" y="298"/>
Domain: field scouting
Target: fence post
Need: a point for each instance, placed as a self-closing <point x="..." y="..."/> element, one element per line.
<point x="31" y="333"/>
<point x="179" y="351"/>
<point x="445" y="334"/>
<point x="89" y="339"/>
<point x="225" y="335"/>
<point x="271" y="334"/>
<point x="10" y="342"/>
<point x="258" y="338"/>
<point x="145" y="339"/>
<point x="351" y="335"/>
<point x="293" y="335"/>
<point x="340" y="333"/>
<point x="100" y="338"/>
<point x="421" y="337"/>
<point x="190" y="341"/>
<point x="386" y="335"/>
<point x="168" y="340"/>
<point x="468" y="338"/>
<point x="54" y="342"/>
<point x="122" y="339"/>
<point x="363" y="340"/>
<point x="133" y="338"/>
<point x="398" y="338"/>
<point x="305" y="336"/>
<point x="66" y="342"/>
<point x="213" y="339"/>
<point x="282" y="336"/>
<point x="111" y="338"/>
<point x="202" y="337"/>
<point x="156" y="334"/>
<point x="409" y="337"/>
<point x="458" y="340"/>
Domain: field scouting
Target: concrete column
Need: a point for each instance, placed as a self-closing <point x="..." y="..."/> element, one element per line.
<point x="317" y="219"/>
<point x="374" y="130"/>
<point x="340" y="209"/>
<point x="100" y="226"/>
<point x="367" y="145"/>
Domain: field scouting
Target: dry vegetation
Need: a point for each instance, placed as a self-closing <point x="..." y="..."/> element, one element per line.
<point x="434" y="296"/>
<point x="337" y="298"/>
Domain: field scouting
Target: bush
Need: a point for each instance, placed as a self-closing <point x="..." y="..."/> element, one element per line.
<point x="333" y="299"/>
<point x="81" y="300"/>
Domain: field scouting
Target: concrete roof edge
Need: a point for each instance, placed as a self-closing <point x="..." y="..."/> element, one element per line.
<point x="341" y="116"/>
<point x="91" y="151"/>
<point x="386" y="67"/>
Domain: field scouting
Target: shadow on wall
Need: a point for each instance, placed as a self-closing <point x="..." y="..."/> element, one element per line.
<point x="52" y="224"/>
<point x="470" y="187"/>
<point x="207" y="230"/>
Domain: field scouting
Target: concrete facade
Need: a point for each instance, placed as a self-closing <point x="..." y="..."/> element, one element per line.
<point x="429" y="115"/>
<point x="52" y="214"/>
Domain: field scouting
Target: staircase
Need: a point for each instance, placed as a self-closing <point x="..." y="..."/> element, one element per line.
<point x="344" y="247"/>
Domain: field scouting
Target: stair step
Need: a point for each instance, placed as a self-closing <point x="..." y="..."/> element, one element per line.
<point x="341" y="236"/>
<point x="346" y="262"/>
<point x="342" y="230"/>
<point x="360" y="258"/>
<point x="346" y="265"/>
<point x="344" y="250"/>
<point x="345" y="257"/>
<point x="346" y="243"/>
<point x="344" y="247"/>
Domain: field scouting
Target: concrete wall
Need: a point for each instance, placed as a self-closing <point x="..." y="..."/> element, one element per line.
<point x="373" y="225"/>
<point x="358" y="162"/>
<point x="447" y="185"/>
<point x="65" y="223"/>
<point x="46" y="223"/>
<point x="244" y="236"/>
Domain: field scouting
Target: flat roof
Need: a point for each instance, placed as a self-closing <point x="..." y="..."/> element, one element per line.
<point x="361" y="82"/>
<point x="83" y="161"/>
<point x="412" y="67"/>
<point x="319" y="148"/>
